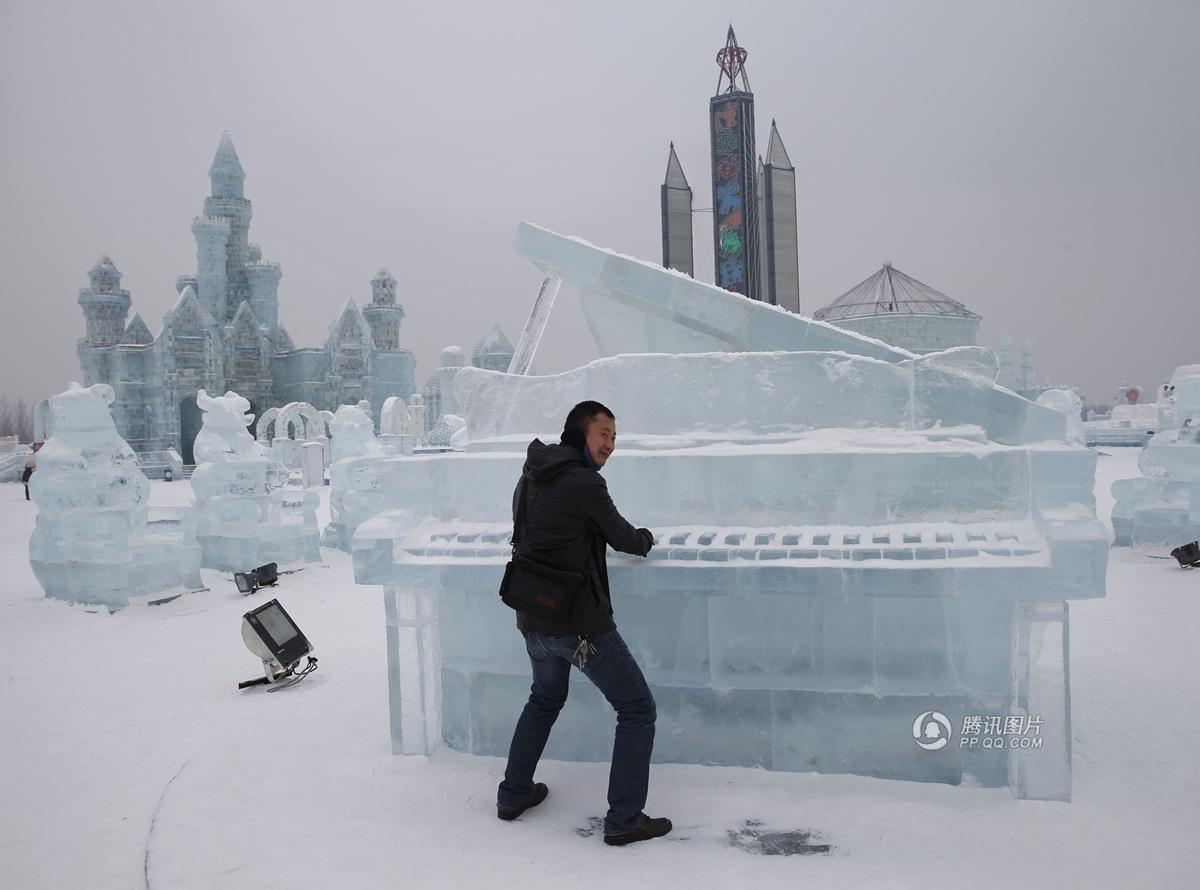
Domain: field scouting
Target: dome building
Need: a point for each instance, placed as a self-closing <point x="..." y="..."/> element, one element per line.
<point x="901" y="311"/>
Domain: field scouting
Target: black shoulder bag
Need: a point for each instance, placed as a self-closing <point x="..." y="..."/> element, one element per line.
<point x="538" y="590"/>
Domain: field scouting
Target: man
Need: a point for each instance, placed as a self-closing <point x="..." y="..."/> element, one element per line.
<point x="30" y="468"/>
<point x="570" y="519"/>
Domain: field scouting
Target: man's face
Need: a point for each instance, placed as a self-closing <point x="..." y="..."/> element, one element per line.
<point x="601" y="438"/>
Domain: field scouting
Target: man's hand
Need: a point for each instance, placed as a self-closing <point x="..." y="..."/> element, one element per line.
<point x="647" y="540"/>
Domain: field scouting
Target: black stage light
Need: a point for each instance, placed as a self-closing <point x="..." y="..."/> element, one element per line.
<point x="263" y="576"/>
<point x="1188" y="555"/>
<point x="270" y="633"/>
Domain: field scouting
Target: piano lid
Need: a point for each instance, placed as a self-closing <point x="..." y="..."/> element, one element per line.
<point x="633" y="306"/>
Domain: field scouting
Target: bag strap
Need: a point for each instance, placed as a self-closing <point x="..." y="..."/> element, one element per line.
<point x="520" y="529"/>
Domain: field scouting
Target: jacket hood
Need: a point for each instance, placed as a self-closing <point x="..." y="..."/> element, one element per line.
<point x="543" y="462"/>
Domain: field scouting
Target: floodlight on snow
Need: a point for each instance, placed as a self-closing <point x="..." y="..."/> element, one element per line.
<point x="269" y="632"/>
<point x="263" y="576"/>
<point x="1188" y="555"/>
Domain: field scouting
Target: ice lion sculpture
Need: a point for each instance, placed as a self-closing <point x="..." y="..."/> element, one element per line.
<point x="353" y="434"/>
<point x="91" y="542"/>
<point x="355" y="489"/>
<point x="245" y="516"/>
<point x="225" y="435"/>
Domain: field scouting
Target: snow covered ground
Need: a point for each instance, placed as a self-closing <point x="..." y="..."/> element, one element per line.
<point x="130" y="759"/>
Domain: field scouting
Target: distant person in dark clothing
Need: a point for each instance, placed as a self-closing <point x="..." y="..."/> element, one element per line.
<point x="570" y="519"/>
<point x="30" y="466"/>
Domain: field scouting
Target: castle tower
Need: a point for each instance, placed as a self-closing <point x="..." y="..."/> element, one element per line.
<point x="227" y="202"/>
<point x="777" y="196"/>
<point x="212" y="269"/>
<point x="676" y="218"/>
<point x="383" y="315"/>
<point x="104" y="304"/>
<point x="735" y="198"/>
<point x="262" y="283"/>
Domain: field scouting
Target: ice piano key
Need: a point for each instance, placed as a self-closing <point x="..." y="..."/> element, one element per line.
<point x="849" y="537"/>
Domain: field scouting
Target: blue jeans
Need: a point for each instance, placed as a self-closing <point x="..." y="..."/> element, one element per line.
<point x="613" y="671"/>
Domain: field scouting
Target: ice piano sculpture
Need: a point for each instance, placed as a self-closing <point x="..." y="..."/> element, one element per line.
<point x="849" y="537"/>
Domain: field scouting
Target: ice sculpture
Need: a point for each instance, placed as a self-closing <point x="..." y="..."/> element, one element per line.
<point x="96" y="540"/>
<point x="396" y="431"/>
<point x="419" y="411"/>
<point x="1162" y="508"/>
<point x="355" y="492"/>
<point x="354" y="434"/>
<point x="293" y="425"/>
<point x="450" y="432"/>
<point x="245" y="516"/>
<point x="1129" y="423"/>
<point x="439" y="388"/>
<point x="851" y="538"/>
<point x="460" y="438"/>
<point x="1069" y="404"/>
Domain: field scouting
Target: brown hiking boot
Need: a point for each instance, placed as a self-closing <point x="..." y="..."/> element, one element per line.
<point x="539" y="794"/>
<point x="650" y="828"/>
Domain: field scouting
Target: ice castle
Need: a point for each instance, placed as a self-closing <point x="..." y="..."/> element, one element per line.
<point x="224" y="333"/>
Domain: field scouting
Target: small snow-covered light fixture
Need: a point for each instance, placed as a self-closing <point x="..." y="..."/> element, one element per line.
<point x="263" y="576"/>
<point x="168" y="475"/>
<point x="269" y="632"/>
<point x="1188" y="555"/>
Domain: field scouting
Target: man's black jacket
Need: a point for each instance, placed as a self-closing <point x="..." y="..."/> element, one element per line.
<point x="570" y="515"/>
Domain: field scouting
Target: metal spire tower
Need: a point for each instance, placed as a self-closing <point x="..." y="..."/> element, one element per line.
<point x="677" y="217"/>
<point x="734" y="173"/>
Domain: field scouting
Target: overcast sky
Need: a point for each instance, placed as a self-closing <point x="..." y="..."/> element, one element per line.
<point x="1036" y="160"/>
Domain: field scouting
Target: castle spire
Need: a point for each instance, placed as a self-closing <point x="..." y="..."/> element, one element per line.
<point x="226" y="171"/>
<point x="104" y="276"/>
<point x="383" y="315"/>
<point x="105" y="304"/>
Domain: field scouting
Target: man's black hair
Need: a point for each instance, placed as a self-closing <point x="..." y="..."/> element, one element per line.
<point x="575" y="427"/>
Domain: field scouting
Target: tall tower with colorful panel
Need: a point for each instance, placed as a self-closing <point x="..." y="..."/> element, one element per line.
<point x="734" y="175"/>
